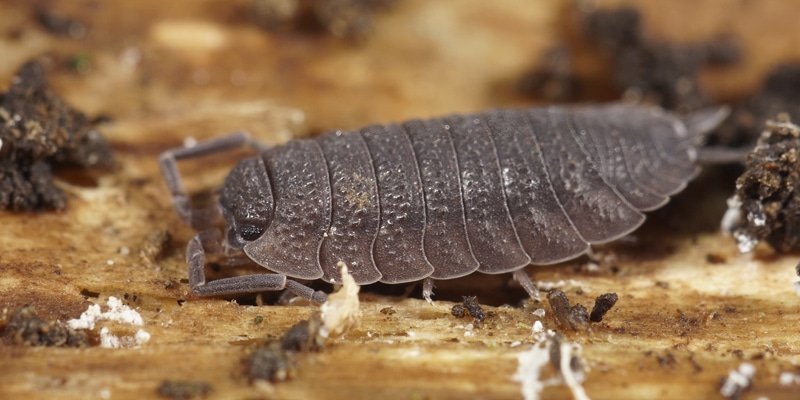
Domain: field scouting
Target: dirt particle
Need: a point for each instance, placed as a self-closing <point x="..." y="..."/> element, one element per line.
<point x="602" y="305"/>
<point x="26" y="328"/>
<point x="713" y="258"/>
<point x="388" y="311"/>
<point x="474" y="309"/>
<point x="270" y="363"/>
<point x="574" y="317"/>
<point x="184" y="389"/>
<point x="274" y="361"/>
<point x="458" y="311"/>
<point x="303" y="336"/>
<point x="667" y="360"/>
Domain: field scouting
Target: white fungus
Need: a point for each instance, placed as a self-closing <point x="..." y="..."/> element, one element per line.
<point x="117" y="312"/>
<point x="341" y="312"/>
<point x="788" y="379"/>
<point x="738" y="380"/>
<point x="529" y="369"/>
<point x="532" y="361"/>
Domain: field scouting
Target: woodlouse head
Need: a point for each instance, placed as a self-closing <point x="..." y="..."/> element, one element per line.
<point x="246" y="202"/>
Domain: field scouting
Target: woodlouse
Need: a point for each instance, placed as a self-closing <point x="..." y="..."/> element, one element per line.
<point x="444" y="197"/>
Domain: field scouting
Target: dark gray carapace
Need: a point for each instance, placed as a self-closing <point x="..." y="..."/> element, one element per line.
<point x="444" y="197"/>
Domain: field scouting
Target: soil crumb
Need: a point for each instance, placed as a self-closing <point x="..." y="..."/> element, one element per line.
<point x="469" y="306"/>
<point x="766" y="204"/>
<point x="26" y="328"/>
<point x="303" y="336"/>
<point x="37" y="131"/>
<point x="274" y="361"/>
<point x="602" y="305"/>
<point x="574" y="317"/>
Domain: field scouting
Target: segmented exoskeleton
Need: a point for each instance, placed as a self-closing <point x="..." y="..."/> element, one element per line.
<point x="441" y="198"/>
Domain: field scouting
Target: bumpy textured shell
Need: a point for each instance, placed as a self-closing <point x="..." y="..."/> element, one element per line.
<point x="489" y="192"/>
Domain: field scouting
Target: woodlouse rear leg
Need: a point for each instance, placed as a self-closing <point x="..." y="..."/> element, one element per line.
<point x="205" y="217"/>
<point x="212" y="239"/>
<point x="427" y="290"/>
<point x="527" y="284"/>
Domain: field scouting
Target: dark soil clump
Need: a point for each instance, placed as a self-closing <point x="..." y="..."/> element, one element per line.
<point x="38" y="130"/>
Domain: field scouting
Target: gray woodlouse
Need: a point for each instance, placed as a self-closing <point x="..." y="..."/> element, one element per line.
<point x="441" y="198"/>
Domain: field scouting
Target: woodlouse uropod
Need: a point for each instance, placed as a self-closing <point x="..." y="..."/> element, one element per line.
<point x="444" y="197"/>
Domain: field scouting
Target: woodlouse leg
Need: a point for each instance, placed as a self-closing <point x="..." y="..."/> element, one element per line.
<point x="306" y="292"/>
<point x="196" y="218"/>
<point x="722" y="155"/>
<point x="211" y="239"/>
<point x="427" y="290"/>
<point x="527" y="284"/>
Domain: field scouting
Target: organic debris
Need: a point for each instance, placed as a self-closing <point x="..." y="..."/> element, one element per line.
<point x="602" y="305"/>
<point x="574" y="317"/>
<point x="469" y="306"/>
<point x="779" y="93"/>
<point x="474" y="309"/>
<point x="304" y="336"/>
<point x="656" y="72"/>
<point x="766" y="204"/>
<point x="552" y="79"/>
<point x="39" y="130"/>
<point x="275" y="360"/>
<point x="270" y="363"/>
<point x="458" y="311"/>
<point x="26" y="328"/>
<point x="184" y="389"/>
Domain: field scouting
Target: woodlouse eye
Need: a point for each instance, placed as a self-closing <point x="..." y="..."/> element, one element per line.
<point x="250" y="233"/>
